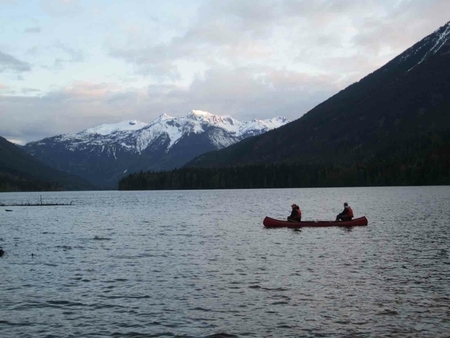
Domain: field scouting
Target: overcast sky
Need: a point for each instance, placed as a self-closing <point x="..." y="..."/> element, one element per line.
<point x="68" y="65"/>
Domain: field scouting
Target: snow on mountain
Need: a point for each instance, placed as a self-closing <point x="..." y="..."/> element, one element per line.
<point x="99" y="135"/>
<point x="137" y="136"/>
<point x="198" y="121"/>
<point x="442" y="36"/>
<point x="261" y="125"/>
<point x="106" y="129"/>
<point x="103" y="154"/>
<point x="225" y="121"/>
<point x="427" y="47"/>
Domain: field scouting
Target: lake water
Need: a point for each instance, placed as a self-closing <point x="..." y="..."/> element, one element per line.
<point x="201" y="264"/>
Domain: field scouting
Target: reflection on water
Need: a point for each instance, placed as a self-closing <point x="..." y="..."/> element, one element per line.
<point x="200" y="263"/>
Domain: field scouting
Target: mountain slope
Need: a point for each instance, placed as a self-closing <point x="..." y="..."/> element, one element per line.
<point x="21" y="172"/>
<point x="386" y="113"/>
<point x="106" y="153"/>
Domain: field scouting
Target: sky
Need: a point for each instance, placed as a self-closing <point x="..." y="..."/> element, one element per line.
<point x="69" y="65"/>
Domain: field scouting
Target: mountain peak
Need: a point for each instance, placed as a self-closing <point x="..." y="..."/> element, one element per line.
<point x="223" y="121"/>
<point x="435" y="44"/>
<point x="106" y="129"/>
<point x="198" y="113"/>
<point x="439" y="38"/>
<point x="443" y="36"/>
<point x="162" y="117"/>
<point x="201" y="115"/>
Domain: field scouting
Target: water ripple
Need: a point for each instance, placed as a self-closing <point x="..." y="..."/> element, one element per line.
<point x="121" y="265"/>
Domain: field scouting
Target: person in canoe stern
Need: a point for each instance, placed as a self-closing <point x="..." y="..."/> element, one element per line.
<point x="346" y="214"/>
<point x="296" y="214"/>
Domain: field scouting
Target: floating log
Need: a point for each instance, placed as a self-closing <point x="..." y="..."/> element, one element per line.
<point x="32" y="205"/>
<point x="40" y="204"/>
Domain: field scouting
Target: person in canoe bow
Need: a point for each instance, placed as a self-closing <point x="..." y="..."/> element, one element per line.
<point x="346" y="214"/>
<point x="296" y="214"/>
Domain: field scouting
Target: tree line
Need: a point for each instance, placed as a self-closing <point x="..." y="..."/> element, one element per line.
<point x="433" y="169"/>
<point x="10" y="183"/>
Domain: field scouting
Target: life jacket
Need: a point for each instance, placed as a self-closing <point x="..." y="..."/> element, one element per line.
<point x="298" y="213"/>
<point x="349" y="212"/>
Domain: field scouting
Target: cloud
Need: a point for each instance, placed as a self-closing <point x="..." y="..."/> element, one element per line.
<point x="259" y="92"/>
<point x="150" y="61"/>
<point x="10" y="63"/>
<point x="74" y="55"/>
<point x="246" y="93"/>
<point x="56" y="56"/>
<point x="33" y="30"/>
<point x="239" y="33"/>
<point x="217" y="34"/>
<point x="71" y="109"/>
<point x="64" y="56"/>
<point x="403" y="25"/>
<point x="62" y="8"/>
<point x="246" y="59"/>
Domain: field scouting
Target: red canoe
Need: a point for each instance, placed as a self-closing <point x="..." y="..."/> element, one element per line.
<point x="276" y="223"/>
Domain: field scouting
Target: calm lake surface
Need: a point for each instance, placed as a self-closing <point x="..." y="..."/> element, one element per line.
<point x="201" y="264"/>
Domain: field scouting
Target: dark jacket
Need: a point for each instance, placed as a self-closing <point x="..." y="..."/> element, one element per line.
<point x="296" y="214"/>
<point x="347" y="212"/>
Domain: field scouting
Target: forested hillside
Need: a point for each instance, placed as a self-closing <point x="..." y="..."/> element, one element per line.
<point x="430" y="166"/>
<point x="21" y="172"/>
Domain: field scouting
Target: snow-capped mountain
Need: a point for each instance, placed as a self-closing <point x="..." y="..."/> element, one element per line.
<point x="107" y="152"/>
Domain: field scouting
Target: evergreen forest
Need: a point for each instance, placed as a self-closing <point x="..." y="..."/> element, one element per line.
<point x="429" y="165"/>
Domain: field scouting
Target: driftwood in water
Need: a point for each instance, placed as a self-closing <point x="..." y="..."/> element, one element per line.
<point x="41" y="204"/>
<point x="32" y="204"/>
